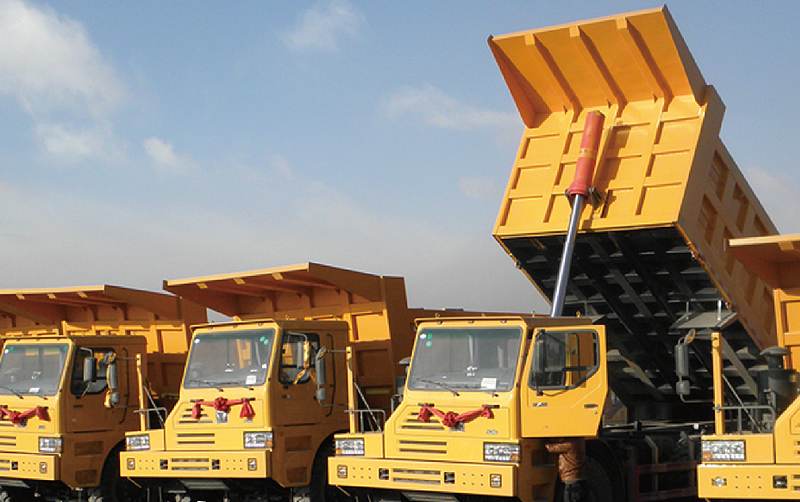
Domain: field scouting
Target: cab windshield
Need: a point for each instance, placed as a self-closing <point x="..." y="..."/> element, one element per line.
<point x="229" y="359"/>
<point x="465" y="359"/>
<point x="33" y="369"/>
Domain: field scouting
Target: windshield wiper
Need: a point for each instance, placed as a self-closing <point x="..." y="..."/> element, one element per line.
<point x="218" y="385"/>
<point x="440" y="384"/>
<point x="478" y="387"/>
<point x="237" y="384"/>
<point x="12" y="391"/>
<point x="206" y="382"/>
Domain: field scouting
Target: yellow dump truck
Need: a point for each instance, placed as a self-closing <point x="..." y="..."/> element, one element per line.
<point x="68" y="384"/>
<point x="754" y="450"/>
<point x="646" y="262"/>
<point x="263" y="394"/>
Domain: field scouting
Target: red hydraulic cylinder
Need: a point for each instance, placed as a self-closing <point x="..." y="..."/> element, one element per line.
<point x="587" y="158"/>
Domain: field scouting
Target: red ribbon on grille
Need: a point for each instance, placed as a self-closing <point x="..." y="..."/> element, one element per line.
<point x="223" y="404"/>
<point x="450" y="419"/>
<point x="18" y="417"/>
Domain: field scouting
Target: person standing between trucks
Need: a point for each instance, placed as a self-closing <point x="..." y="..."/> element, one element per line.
<point x="571" y="466"/>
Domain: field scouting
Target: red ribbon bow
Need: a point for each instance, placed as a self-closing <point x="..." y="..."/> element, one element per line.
<point x="450" y="419"/>
<point x="223" y="404"/>
<point x="18" y="417"/>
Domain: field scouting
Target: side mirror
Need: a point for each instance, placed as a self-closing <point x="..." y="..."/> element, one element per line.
<point x="319" y="369"/>
<point x="682" y="360"/>
<point x="111" y="376"/>
<point x="89" y="369"/>
<point x="321" y="395"/>
<point x="683" y="387"/>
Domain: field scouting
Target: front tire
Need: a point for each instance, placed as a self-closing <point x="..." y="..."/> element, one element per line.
<point x="114" y="488"/>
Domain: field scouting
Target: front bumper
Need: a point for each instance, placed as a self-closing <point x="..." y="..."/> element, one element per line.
<point x="33" y="466"/>
<point x="190" y="464"/>
<point x="450" y="477"/>
<point x="753" y="481"/>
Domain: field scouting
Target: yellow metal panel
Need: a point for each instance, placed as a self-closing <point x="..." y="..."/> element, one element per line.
<point x="373" y="444"/>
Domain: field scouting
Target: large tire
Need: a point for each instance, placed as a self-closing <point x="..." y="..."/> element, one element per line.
<point x="114" y="488"/>
<point x="320" y="489"/>
<point x="598" y="485"/>
<point x="16" y="495"/>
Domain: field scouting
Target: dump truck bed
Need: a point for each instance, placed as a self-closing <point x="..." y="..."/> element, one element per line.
<point x="106" y="310"/>
<point x="375" y="306"/>
<point x="650" y="252"/>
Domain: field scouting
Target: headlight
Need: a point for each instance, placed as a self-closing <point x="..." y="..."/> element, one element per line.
<point x="50" y="445"/>
<point x="723" y="451"/>
<point x="499" y="452"/>
<point x="137" y="443"/>
<point x="350" y="447"/>
<point x="260" y="439"/>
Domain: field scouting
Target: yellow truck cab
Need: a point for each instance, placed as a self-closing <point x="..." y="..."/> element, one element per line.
<point x="68" y="384"/>
<point x="753" y="451"/>
<point x="483" y="397"/>
<point x="263" y="394"/>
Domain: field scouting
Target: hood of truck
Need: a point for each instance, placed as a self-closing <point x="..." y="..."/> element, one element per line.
<point x="410" y="436"/>
<point x="199" y="420"/>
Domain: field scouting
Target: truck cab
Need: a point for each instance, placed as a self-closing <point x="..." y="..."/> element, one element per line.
<point x="249" y="409"/>
<point x="68" y="384"/>
<point x="482" y="399"/>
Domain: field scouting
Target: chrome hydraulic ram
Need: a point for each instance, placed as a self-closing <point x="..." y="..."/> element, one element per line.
<point x="578" y="192"/>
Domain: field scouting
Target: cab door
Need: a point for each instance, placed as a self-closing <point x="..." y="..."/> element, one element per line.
<point x="298" y="419"/>
<point x="566" y="382"/>
<point x="296" y="401"/>
<point x="86" y="411"/>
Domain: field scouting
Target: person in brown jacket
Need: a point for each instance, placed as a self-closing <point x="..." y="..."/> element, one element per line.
<point x="571" y="466"/>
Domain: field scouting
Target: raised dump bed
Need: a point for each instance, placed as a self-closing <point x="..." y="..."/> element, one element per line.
<point x="650" y="249"/>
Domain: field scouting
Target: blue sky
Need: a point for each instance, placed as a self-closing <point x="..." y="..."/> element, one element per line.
<point x="143" y="141"/>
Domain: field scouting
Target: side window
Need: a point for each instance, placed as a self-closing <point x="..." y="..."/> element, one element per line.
<point x="298" y="351"/>
<point x="104" y="357"/>
<point x="569" y="358"/>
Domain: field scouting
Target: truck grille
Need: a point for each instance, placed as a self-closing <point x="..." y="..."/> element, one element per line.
<point x="195" y="438"/>
<point x="8" y="441"/>
<point x="413" y="423"/>
<point x="433" y="447"/>
<point x="191" y="464"/>
<point x="420" y="477"/>
<point x="186" y="417"/>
